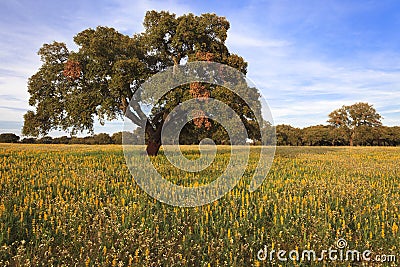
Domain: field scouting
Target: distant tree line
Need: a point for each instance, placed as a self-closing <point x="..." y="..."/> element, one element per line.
<point x="327" y="135"/>
<point x="98" y="139"/>
<point x="358" y="124"/>
<point x="286" y="135"/>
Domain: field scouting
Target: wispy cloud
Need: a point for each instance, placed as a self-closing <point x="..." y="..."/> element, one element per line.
<point x="10" y="127"/>
<point x="320" y="60"/>
<point x="321" y="89"/>
<point x="240" y="40"/>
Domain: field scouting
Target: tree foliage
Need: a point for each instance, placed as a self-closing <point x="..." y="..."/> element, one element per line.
<point x="71" y="89"/>
<point x="352" y="117"/>
<point x="288" y="135"/>
<point x="9" y="138"/>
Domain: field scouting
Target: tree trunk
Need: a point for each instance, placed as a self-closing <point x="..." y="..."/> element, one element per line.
<point x="352" y="138"/>
<point x="176" y="61"/>
<point x="153" y="140"/>
<point x="153" y="147"/>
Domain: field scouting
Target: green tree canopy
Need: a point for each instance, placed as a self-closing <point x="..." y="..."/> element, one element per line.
<point x="352" y="117"/>
<point x="9" y="138"/>
<point x="288" y="135"/>
<point x="99" y="80"/>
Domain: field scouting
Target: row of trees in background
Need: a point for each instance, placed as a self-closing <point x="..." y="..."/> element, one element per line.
<point x="286" y="135"/>
<point x="357" y="124"/>
<point x="327" y="135"/>
<point x="98" y="139"/>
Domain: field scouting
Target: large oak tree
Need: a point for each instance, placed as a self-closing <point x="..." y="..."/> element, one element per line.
<point x="99" y="80"/>
<point x="351" y="118"/>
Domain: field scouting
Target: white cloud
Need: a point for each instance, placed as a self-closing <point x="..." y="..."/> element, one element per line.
<point x="299" y="87"/>
<point x="240" y="39"/>
<point x="127" y="16"/>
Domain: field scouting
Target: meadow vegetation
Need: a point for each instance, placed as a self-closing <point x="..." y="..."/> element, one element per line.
<point x="77" y="205"/>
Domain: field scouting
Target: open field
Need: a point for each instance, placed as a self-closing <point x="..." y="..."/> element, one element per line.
<point x="77" y="205"/>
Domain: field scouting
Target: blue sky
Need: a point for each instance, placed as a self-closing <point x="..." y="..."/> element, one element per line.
<point x="307" y="57"/>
